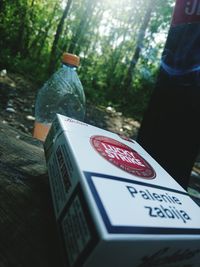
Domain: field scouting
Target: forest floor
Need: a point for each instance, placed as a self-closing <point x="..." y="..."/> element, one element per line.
<point x="17" y="98"/>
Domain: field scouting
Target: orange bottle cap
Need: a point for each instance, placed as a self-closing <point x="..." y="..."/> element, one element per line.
<point x="70" y="59"/>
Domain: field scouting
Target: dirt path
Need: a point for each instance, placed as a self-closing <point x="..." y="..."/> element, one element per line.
<point x="17" y="108"/>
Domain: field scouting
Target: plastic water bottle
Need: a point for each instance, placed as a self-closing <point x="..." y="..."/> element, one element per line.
<point x="63" y="93"/>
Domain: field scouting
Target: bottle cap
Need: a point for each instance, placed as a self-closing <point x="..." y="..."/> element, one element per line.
<point x="70" y="59"/>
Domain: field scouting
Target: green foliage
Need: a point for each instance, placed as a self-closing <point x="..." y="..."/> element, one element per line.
<point x="103" y="33"/>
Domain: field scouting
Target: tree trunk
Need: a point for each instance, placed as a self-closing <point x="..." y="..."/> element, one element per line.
<point x="20" y="47"/>
<point x="136" y="55"/>
<point x="27" y="219"/>
<point x="28" y="29"/>
<point x="2" y="6"/>
<point x="57" y="36"/>
<point x="42" y="35"/>
<point x="73" y="47"/>
<point x="115" y="59"/>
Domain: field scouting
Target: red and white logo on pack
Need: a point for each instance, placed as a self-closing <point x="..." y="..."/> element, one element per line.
<point x="122" y="156"/>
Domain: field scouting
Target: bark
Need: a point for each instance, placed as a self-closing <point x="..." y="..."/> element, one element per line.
<point x="27" y="228"/>
<point x="20" y="46"/>
<point x="139" y="43"/>
<point x="59" y="30"/>
<point x="42" y="35"/>
<point x="28" y="29"/>
<point x="74" y="46"/>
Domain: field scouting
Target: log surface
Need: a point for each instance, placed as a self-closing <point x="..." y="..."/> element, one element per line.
<point x="28" y="234"/>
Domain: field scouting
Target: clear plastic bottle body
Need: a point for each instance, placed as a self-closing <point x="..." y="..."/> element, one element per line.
<point x="62" y="93"/>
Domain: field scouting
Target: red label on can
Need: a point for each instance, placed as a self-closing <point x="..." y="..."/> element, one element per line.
<point x="186" y="11"/>
<point x="122" y="156"/>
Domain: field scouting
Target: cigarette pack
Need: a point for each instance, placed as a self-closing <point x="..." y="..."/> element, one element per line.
<point x="115" y="206"/>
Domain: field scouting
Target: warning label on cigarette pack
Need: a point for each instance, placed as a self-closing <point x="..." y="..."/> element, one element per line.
<point x="137" y="207"/>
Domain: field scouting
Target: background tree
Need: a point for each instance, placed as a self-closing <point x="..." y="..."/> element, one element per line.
<point x="53" y="54"/>
<point x="139" y="44"/>
<point x="119" y="43"/>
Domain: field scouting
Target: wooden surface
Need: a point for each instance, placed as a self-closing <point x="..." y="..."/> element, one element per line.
<point x="28" y="235"/>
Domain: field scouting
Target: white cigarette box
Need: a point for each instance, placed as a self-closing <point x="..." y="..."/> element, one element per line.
<point x="115" y="205"/>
